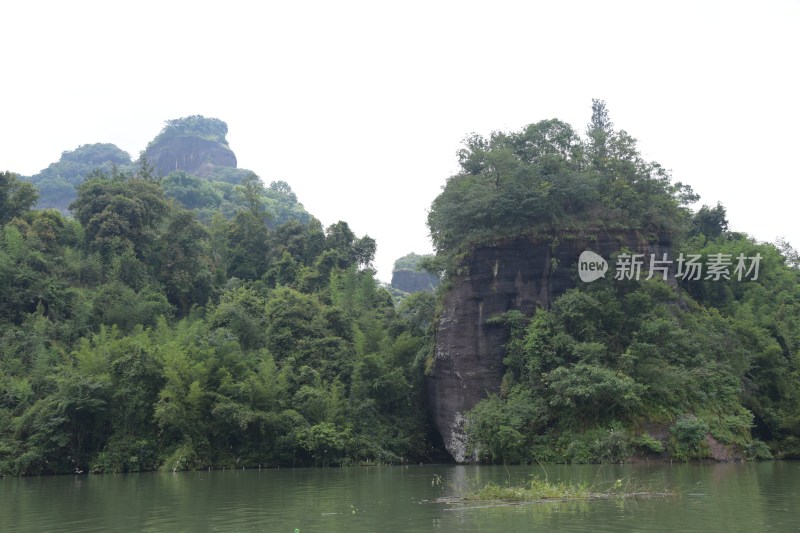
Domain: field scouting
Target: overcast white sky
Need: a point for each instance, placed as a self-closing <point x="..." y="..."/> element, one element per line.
<point x="361" y="106"/>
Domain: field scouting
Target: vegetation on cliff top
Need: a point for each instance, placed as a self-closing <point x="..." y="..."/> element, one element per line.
<point x="547" y="179"/>
<point x="210" y="129"/>
<point x="411" y="261"/>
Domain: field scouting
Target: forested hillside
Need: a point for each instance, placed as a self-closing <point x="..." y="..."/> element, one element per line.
<point x="58" y="182"/>
<point x="176" y="313"/>
<point x="135" y="337"/>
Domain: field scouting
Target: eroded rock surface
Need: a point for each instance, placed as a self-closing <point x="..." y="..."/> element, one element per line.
<point x="190" y="154"/>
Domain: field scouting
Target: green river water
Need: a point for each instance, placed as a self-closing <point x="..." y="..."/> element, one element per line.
<point x="709" y="497"/>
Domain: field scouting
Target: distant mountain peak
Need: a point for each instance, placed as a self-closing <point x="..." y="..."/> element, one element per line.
<point x="193" y="144"/>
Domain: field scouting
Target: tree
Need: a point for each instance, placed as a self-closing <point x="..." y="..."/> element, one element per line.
<point x="790" y="254"/>
<point x="304" y="242"/>
<point x="185" y="265"/>
<point x="545" y="178"/>
<point x="63" y="430"/>
<point x="552" y="138"/>
<point x="282" y="188"/>
<point x="710" y="221"/>
<point x="248" y="245"/>
<point x="58" y="181"/>
<point x="191" y="191"/>
<point x="16" y="197"/>
<point x="119" y="213"/>
<point x="339" y="237"/>
<point x="364" y="251"/>
<point x="253" y="191"/>
<point x="599" y="131"/>
<point x="293" y="320"/>
<point x="194" y="126"/>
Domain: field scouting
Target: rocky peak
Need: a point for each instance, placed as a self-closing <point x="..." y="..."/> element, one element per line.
<point x="195" y="144"/>
<point x="414" y="281"/>
<point x="409" y="275"/>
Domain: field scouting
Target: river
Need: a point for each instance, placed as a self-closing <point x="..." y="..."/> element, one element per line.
<point x="709" y="497"/>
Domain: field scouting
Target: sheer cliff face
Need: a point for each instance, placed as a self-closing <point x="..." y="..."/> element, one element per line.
<point x="191" y="154"/>
<point x="414" y="281"/>
<point x="520" y="274"/>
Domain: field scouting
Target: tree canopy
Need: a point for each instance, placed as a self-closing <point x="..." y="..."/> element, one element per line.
<point x="16" y="197"/>
<point x="135" y="337"/>
<point x="212" y="129"/>
<point x="546" y="179"/>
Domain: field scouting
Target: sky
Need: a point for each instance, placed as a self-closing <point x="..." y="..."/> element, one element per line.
<point x="361" y="106"/>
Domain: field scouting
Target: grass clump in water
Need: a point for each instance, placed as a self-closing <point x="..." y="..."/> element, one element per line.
<point x="542" y="489"/>
<point x="536" y="489"/>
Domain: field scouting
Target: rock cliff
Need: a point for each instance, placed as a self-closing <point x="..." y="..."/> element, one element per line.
<point x="414" y="281"/>
<point x="517" y="274"/>
<point x="191" y="154"/>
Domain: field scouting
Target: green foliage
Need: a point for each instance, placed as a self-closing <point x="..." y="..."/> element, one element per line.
<point x="758" y="449"/>
<point x="648" y="444"/>
<point x="498" y="427"/>
<point x="221" y="190"/>
<point x="57" y="183"/>
<point x="247" y="246"/>
<point x="212" y="129"/>
<point x="710" y="222"/>
<point x="547" y="179"/>
<point x="191" y="191"/>
<point x="688" y="439"/>
<point x="593" y="393"/>
<point x="119" y="214"/>
<point x="142" y="335"/>
<point x="418" y="310"/>
<point x="136" y="338"/>
<point x="600" y="445"/>
<point x="542" y="489"/>
<point x="185" y="266"/>
<point x="411" y="261"/>
<point x="324" y="442"/>
<point x="615" y="355"/>
<point x="537" y="489"/>
<point x="16" y="197"/>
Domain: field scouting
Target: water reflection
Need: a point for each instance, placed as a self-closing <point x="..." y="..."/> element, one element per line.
<point x="711" y="497"/>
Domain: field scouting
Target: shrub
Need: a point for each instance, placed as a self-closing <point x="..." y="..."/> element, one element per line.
<point x="757" y="449"/>
<point x="648" y="444"/>
<point x="688" y="438"/>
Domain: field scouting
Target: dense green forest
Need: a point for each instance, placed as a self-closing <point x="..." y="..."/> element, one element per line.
<point x="614" y="364"/>
<point x="179" y="321"/>
<point x="144" y="332"/>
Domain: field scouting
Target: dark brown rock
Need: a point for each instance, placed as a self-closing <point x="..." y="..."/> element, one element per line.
<point x="522" y="274"/>
<point x="191" y="154"/>
<point x="721" y="452"/>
